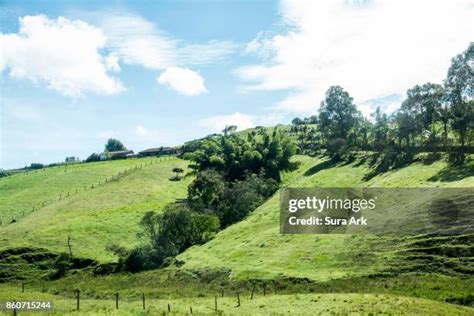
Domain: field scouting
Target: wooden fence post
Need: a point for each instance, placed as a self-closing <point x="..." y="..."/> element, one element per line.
<point x="253" y="291"/>
<point x="222" y="292"/>
<point x="116" y="300"/>
<point x="143" y="299"/>
<point x="191" y="309"/>
<point x="215" y="303"/>
<point x="264" y="289"/>
<point x="78" y="298"/>
<point x="238" y="299"/>
<point x="169" y="308"/>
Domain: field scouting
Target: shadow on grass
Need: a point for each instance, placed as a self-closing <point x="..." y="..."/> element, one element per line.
<point x="382" y="163"/>
<point x="431" y="158"/>
<point x="321" y="166"/>
<point x="362" y="161"/>
<point x="454" y="173"/>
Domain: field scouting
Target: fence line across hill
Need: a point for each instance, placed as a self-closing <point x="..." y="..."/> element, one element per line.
<point x="108" y="179"/>
<point x="166" y="307"/>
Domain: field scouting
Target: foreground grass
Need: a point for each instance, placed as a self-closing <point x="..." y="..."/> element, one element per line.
<point x="96" y="215"/>
<point x="296" y="304"/>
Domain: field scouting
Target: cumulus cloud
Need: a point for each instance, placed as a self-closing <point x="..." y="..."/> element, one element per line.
<point x="75" y="57"/>
<point x="217" y="123"/>
<point x="374" y="49"/>
<point x="64" y="54"/>
<point x="182" y="80"/>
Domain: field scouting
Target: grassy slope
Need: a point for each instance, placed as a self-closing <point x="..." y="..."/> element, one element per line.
<point x="254" y="248"/>
<point x="107" y="213"/>
<point x="23" y="191"/>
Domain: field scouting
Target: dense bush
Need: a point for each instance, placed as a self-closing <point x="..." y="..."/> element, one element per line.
<point x="235" y="156"/>
<point x="230" y="201"/>
<point x="166" y="235"/>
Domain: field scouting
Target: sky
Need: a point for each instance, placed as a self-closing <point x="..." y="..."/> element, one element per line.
<point x="159" y="73"/>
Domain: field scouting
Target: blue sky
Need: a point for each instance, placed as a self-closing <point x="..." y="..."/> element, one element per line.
<point x="153" y="73"/>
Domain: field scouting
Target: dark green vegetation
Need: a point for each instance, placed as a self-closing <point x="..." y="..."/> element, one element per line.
<point x="234" y="175"/>
<point x="114" y="145"/>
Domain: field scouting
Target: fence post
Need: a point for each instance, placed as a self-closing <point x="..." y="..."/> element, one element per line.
<point x="222" y="292"/>
<point x="264" y="289"/>
<point x="22" y="287"/>
<point x="191" y="309"/>
<point x="78" y="298"/>
<point x="169" y="308"/>
<point x="238" y="299"/>
<point x="215" y="303"/>
<point x="253" y="291"/>
<point x="116" y="300"/>
<point x="143" y="299"/>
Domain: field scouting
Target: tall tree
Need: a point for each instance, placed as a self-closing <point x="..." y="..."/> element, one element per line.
<point x="425" y="101"/>
<point x="459" y="86"/>
<point x="337" y="114"/>
<point x="380" y="129"/>
<point x="114" y="145"/>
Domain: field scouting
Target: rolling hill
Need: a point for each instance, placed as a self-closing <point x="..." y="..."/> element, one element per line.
<point x="347" y="272"/>
<point x="99" y="213"/>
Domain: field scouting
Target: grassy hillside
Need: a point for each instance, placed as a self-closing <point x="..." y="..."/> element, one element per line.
<point x="322" y="273"/>
<point x="254" y="247"/>
<point x="94" y="216"/>
<point x="28" y="191"/>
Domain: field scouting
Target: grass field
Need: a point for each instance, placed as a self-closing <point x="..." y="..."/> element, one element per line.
<point x="96" y="214"/>
<point x="324" y="274"/>
<point x="274" y="304"/>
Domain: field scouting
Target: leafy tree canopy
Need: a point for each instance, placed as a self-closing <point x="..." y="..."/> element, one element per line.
<point x="114" y="145"/>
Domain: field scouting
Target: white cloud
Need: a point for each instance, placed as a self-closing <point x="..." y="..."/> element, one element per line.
<point x="138" y="41"/>
<point x="373" y="49"/>
<point x="217" y="123"/>
<point x="74" y="57"/>
<point x="182" y="80"/>
<point x="111" y="62"/>
<point x="63" y="53"/>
